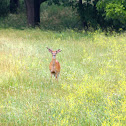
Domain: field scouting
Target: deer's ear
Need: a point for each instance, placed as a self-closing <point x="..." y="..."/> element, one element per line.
<point x="50" y="50"/>
<point x="58" y="51"/>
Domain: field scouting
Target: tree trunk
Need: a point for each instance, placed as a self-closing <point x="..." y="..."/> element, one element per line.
<point x="80" y="2"/>
<point x="30" y="12"/>
<point x="81" y="9"/>
<point x="14" y="4"/>
<point x="33" y="12"/>
<point x="37" y="12"/>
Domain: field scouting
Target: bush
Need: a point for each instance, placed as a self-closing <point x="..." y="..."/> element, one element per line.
<point x="58" y="17"/>
<point x="114" y="13"/>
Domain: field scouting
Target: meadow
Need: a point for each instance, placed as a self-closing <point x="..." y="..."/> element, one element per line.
<point x="91" y="90"/>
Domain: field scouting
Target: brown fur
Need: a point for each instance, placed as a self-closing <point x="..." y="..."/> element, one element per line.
<point x="54" y="64"/>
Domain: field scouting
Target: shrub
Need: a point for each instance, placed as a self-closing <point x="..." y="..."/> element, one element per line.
<point x="58" y="17"/>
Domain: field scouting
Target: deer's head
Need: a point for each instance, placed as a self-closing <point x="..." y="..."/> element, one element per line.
<point x="54" y="52"/>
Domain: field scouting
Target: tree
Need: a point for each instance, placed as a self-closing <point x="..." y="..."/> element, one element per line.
<point x="4" y="7"/>
<point x="87" y="12"/>
<point x="92" y="13"/>
<point x="33" y="12"/>
<point x="14" y="4"/>
<point x="114" y="12"/>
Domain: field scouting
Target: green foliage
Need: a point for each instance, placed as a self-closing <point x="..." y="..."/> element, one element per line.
<point x="4" y="7"/>
<point x="18" y="21"/>
<point x="62" y="14"/>
<point x="114" y="10"/>
<point x="87" y="12"/>
<point x="57" y="17"/>
<point x="52" y="17"/>
<point x="60" y="2"/>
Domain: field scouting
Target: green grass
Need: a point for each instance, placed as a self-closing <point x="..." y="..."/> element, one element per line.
<point x="91" y="89"/>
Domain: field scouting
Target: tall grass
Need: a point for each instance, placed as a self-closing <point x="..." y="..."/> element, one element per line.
<point x="92" y="84"/>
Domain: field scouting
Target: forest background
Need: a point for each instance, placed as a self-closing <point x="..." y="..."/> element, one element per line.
<point x="60" y="14"/>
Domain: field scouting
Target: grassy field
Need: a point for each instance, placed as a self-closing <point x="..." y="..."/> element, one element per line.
<point x="91" y="90"/>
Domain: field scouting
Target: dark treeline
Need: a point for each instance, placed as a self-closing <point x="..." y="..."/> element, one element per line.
<point x="92" y="13"/>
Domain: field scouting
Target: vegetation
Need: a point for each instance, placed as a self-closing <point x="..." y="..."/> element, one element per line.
<point x="53" y="17"/>
<point x="104" y="14"/>
<point x="4" y="7"/>
<point x="114" y="12"/>
<point x="92" y="84"/>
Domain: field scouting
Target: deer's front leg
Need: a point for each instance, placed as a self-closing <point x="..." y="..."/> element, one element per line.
<point x="57" y="74"/>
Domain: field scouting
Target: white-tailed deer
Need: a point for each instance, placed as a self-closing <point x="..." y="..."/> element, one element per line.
<point x="54" y="64"/>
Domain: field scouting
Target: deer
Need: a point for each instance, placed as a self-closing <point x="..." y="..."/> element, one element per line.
<point x="54" y="66"/>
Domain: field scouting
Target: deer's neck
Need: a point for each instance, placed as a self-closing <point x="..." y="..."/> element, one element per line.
<point x="53" y="61"/>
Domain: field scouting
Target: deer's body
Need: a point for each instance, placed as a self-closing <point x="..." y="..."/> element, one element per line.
<point x="54" y="64"/>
